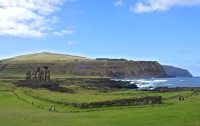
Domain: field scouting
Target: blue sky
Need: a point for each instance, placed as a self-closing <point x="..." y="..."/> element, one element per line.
<point x="167" y="31"/>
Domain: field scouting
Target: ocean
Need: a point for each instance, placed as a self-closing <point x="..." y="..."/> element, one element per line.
<point x="151" y="83"/>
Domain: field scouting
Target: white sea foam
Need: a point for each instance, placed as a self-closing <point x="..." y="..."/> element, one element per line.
<point x="169" y="84"/>
<point x="147" y="84"/>
<point x="148" y="81"/>
<point x="160" y="81"/>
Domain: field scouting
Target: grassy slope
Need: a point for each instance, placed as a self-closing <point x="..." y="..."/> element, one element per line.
<point x="38" y="58"/>
<point x="172" y="113"/>
<point x="44" y="57"/>
<point x="75" y="65"/>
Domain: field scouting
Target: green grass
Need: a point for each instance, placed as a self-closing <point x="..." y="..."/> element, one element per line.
<point x="79" y="97"/>
<point x="12" y="74"/>
<point x="15" y="112"/>
<point x="88" y="96"/>
<point x="45" y="57"/>
<point x="186" y="113"/>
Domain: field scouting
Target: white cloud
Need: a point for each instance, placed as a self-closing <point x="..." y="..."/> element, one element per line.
<point x="161" y="5"/>
<point x="119" y="3"/>
<point x="67" y="31"/>
<point x="71" y="42"/>
<point x="27" y="18"/>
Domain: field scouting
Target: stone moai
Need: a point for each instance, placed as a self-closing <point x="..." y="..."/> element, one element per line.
<point x="38" y="75"/>
<point x="38" y="69"/>
<point x="46" y="74"/>
<point x="28" y="75"/>
<point x="33" y="75"/>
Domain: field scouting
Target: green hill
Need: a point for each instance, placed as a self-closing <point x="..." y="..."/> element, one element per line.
<point x="45" y="57"/>
<point x="81" y="66"/>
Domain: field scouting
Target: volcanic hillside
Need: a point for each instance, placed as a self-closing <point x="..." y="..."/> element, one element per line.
<point x="76" y="65"/>
<point x="44" y="57"/>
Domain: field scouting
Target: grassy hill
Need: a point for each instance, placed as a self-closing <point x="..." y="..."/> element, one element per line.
<point x="81" y="66"/>
<point x="45" y="57"/>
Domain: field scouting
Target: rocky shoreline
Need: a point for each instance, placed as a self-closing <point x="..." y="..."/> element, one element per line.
<point x="100" y="83"/>
<point x="96" y="84"/>
<point x="103" y="84"/>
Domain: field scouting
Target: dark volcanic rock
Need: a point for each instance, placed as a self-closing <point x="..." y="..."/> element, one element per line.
<point x="52" y="85"/>
<point x="100" y="84"/>
<point x="36" y="84"/>
<point x="122" y="102"/>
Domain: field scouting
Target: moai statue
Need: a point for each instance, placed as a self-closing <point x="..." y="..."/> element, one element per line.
<point x="45" y="73"/>
<point x="33" y="75"/>
<point x="38" y="74"/>
<point x="38" y="69"/>
<point x="48" y="75"/>
<point x="28" y="75"/>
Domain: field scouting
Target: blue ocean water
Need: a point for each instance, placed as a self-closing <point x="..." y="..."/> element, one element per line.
<point x="151" y="83"/>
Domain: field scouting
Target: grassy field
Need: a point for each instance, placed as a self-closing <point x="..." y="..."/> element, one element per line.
<point x="88" y="96"/>
<point x="12" y="75"/>
<point x="16" y="111"/>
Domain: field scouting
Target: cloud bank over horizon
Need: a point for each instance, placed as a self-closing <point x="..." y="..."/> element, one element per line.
<point x="161" y="5"/>
<point x="28" y="18"/>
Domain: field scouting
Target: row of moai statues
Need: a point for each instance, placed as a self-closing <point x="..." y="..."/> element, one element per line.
<point x="39" y="75"/>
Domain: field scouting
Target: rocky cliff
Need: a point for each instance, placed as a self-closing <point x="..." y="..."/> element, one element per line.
<point x="176" y="72"/>
<point x="65" y="64"/>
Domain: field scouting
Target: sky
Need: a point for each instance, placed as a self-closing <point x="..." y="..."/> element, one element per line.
<point x="167" y="31"/>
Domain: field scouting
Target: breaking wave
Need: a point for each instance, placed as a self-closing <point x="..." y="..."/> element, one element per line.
<point x="151" y="83"/>
<point x="147" y="84"/>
